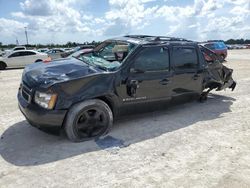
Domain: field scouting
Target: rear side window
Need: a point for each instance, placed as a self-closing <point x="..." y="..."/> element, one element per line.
<point x="29" y="53"/>
<point x="16" y="54"/>
<point x="185" y="58"/>
<point x="152" y="59"/>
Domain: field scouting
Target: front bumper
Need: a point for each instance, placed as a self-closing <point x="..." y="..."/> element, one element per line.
<point x="40" y="117"/>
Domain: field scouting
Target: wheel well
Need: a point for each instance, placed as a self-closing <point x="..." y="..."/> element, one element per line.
<point x="1" y="62"/>
<point x="38" y="60"/>
<point x="213" y="85"/>
<point x="108" y="101"/>
<point x="105" y="99"/>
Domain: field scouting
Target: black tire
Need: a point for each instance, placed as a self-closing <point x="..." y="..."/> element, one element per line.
<point x="38" y="60"/>
<point x="2" y="66"/>
<point x="88" y="120"/>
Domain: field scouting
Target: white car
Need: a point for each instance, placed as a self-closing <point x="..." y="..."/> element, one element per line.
<point x="55" y="53"/>
<point x="21" y="58"/>
<point x="19" y="48"/>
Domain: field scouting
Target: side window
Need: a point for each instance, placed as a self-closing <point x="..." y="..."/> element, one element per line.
<point x="152" y="59"/>
<point x="23" y="53"/>
<point x="185" y="58"/>
<point x="29" y="53"/>
<point x="16" y="54"/>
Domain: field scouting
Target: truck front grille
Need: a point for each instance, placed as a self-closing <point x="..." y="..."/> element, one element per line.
<point x="26" y="92"/>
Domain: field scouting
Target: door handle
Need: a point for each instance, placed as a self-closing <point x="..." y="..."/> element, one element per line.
<point x="165" y="81"/>
<point x="196" y="76"/>
<point x="132" y="86"/>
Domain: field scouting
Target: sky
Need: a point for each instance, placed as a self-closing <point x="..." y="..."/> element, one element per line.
<point x="60" y="21"/>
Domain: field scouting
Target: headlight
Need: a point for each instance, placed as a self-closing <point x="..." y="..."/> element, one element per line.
<point x="45" y="100"/>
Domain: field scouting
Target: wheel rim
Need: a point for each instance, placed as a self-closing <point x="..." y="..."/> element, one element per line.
<point x="91" y="123"/>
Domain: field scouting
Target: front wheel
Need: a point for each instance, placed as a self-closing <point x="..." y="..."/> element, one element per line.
<point x="88" y="120"/>
<point x="2" y="66"/>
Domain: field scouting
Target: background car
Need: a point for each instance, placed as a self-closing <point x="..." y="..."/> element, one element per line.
<point x="78" y="48"/>
<point x="19" y="48"/>
<point x="43" y="50"/>
<point x="1" y="52"/>
<point x="67" y="49"/>
<point x="21" y="58"/>
<point x="55" y="53"/>
<point x="217" y="47"/>
<point x="80" y="53"/>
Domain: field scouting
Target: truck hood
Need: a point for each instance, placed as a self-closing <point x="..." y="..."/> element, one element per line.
<point x="47" y="74"/>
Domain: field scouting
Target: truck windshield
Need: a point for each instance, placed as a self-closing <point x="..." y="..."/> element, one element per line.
<point x="100" y="62"/>
<point x="109" y="55"/>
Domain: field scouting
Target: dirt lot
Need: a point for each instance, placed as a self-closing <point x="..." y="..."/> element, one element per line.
<point x="191" y="145"/>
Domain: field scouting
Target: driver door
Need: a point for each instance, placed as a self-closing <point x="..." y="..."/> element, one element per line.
<point x="148" y="80"/>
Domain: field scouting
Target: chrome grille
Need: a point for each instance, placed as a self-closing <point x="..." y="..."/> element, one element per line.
<point x="26" y="92"/>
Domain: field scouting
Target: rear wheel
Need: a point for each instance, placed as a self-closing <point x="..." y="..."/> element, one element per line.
<point x="2" y="66"/>
<point x="88" y="120"/>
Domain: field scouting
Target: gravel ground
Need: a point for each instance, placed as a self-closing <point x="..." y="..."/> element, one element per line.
<point x="191" y="145"/>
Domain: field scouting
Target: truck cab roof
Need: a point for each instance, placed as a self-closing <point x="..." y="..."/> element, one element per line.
<point x="154" y="40"/>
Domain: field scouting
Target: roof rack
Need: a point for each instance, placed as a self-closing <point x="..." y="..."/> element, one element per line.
<point x="139" y="36"/>
<point x="164" y="38"/>
<point x="157" y="38"/>
<point x="212" y="41"/>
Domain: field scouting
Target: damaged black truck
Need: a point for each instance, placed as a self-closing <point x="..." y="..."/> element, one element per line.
<point x="83" y="94"/>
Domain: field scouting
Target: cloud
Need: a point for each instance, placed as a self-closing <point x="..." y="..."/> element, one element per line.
<point x="53" y="16"/>
<point x="64" y="20"/>
<point x="9" y="27"/>
<point x="36" y="8"/>
<point x="130" y="14"/>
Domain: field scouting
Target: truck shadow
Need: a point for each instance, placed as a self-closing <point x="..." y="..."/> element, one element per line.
<point x="23" y="145"/>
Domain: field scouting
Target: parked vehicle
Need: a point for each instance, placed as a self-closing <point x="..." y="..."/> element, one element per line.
<point x="43" y="50"/>
<point x="80" y="53"/>
<point x="120" y="76"/>
<point x="19" y="48"/>
<point x="55" y="53"/>
<point x="1" y="52"/>
<point x="76" y="49"/>
<point x="217" y="47"/>
<point x="67" y="49"/>
<point x="21" y="58"/>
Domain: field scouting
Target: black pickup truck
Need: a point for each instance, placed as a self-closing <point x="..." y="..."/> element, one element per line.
<point x="124" y="75"/>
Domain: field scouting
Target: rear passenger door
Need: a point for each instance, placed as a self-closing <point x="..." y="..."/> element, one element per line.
<point x="185" y="63"/>
<point x="16" y="59"/>
<point x="30" y="57"/>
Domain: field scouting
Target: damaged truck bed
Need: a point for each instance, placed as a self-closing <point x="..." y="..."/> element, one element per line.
<point x="84" y="94"/>
<point x="218" y="76"/>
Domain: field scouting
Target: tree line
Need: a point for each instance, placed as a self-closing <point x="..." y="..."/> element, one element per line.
<point x="52" y="45"/>
<point x="238" y="41"/>
<point x="74" y="44"/>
